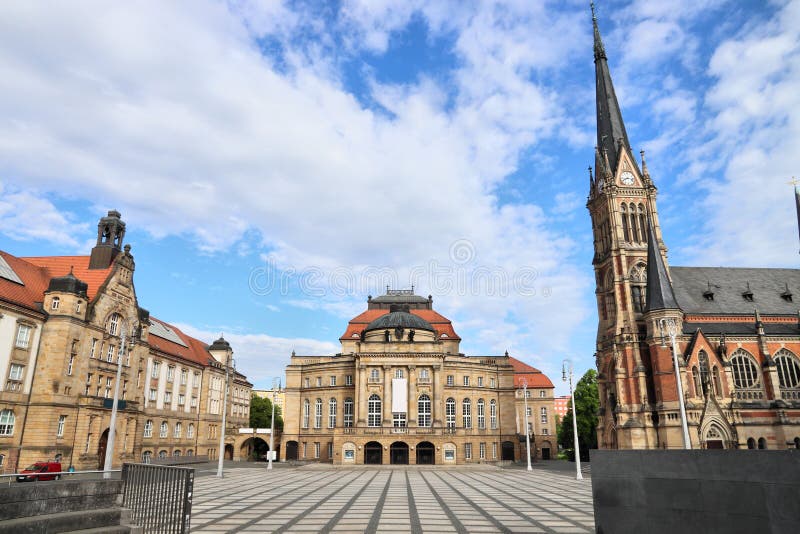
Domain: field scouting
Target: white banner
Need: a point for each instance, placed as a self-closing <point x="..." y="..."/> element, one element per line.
<point x="399" y="395"/>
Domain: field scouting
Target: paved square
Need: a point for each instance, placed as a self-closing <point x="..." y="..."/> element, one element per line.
<point x="393" y="499"/>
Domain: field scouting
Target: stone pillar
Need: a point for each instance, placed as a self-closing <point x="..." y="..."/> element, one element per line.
<point x="437" y="402"/>
<point x="387" y="395"/>
<point x="361" y="395"/>
<point x="412" y="395"/>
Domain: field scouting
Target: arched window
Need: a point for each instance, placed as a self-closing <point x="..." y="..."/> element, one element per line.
<point x="7" y="420"/>
<point x="424" y="411"/>
<point x="493" y="414"/>
<point x="466" y="413"/>
<point x="624" y="216"/>
<point x="147" y="456"/>
<point x="480" y="407"/>
<point x="609" y="304"/>
<point x="190" y="452"/>
<point x="762" y="443"/>
<point x="797" y="443"/>
<point x="751" y="443"/>
<point x="162" y="454"/>
<point x="702" y="358"/>
<point x="634" y="224"/>
<point x="696" y="379"/>
<point x="176" y="453"/>
<point x="638" y="278"/>
<point x="642" y="223"/>
<point x="113" y="324"/>
<point x="148" y="428"/>
<point x="450" y="412"/>
<point x="318" y="413"/>
<point x="374" y="412"/>
<point x="178" y="430"/>
<point x="745" y="370"/>
<point x="189" y="434"/>
<point x="717" y="381"/>
<point x="306" y="412"/>
<point x="788" y="369"/>
<point x="163" y="430"/>
<point x="348" y="412"/>
<point x="332" y="413"/>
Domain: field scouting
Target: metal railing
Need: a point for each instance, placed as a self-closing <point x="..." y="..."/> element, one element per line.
<point x="159" y="497"/>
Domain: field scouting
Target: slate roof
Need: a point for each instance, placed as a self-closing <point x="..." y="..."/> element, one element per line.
<point x="440" y="323"/>
<point x="742" y="328"/>
<point x="400" y="299"/>
<point x="659" y="295"/>
<point x="399" y="319"/>
<point x="728" y="285"/>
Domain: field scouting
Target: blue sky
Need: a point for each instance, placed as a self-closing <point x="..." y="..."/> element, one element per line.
<point x="276" y="162"/>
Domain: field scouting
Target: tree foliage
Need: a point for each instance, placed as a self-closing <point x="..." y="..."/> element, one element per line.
<point x="587" y="403"/>
<point x="261" y="413"/>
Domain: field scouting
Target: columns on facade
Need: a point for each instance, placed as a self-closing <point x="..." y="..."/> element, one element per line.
<point x="387" y="395"/>
<point x="437" y="403"/>
<point x="412" y="395"/>
<point x="361" y="395"/>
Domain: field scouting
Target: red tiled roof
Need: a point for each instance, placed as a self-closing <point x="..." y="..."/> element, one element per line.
<point x="440" y="323"/>
<point x="534" y="377"/>
<point x="34" y="280"/>
<point x="195" y="351"/>
<point x="60" y="266"/>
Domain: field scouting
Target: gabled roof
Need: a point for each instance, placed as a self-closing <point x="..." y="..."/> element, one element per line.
<point x="192" y="349"/>
<point x="728" y="286"/>
<point x="533" y="376"/>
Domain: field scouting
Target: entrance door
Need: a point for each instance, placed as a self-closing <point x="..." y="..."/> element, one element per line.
<point x="508" y="451"/>
<point x="373" y="453"/>
<point x="291" y="450"/>
<point x="398" y="453"/>
<point x="101" y="450"/>
<point x="714" y="444"/>
<point x="425" y="453"/>
<point x="545" y="453"/>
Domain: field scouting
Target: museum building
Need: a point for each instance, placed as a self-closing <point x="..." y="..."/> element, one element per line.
<point x="401" y="392"/>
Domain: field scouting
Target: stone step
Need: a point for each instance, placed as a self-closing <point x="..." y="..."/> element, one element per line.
<point x="64" y="522"/>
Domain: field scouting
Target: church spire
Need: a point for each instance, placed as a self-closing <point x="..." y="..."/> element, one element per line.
<point x="659" y="288"/>
<point x="611" y="134"/>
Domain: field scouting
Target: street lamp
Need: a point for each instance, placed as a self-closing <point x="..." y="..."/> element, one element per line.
<point x="224" y="416"/>
<point x="527" y="425"/>
<point x="566" y="365"/>
<point x="113" y="424"/>
<point x="275" y="382"/>
<point x="671" y="326"/>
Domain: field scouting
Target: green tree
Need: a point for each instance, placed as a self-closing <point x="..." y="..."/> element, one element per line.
<point x="587" y="403"/>
<point x="261" y="413"/>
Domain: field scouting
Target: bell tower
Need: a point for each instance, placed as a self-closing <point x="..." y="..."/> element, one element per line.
<point x="621" y="199"/>
<point x="110" y="233"/>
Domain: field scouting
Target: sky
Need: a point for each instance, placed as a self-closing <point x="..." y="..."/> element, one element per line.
<point x="278" y="162"/>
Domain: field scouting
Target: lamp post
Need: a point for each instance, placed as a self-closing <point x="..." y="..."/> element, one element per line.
<point x="671" y="326"/>
<point x="112" y="427"/>
<point x="527" y="425"/>
<point x="566" y="365"/>
<point x="275" y="382"/>
<point x="224" y="416"/>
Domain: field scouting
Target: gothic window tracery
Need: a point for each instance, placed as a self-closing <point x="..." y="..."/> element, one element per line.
<point x="624" y="216"/>
<point x="746" y="379"/>
<point x="642" y="223"/>
<point x="634" y="223"/>
<point x="638" y="279"/>
<point x="788" y="369"/>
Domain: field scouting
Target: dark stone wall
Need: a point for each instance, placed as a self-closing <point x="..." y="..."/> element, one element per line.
<point x="37" y="498"/>
<point x="725" y="491"/>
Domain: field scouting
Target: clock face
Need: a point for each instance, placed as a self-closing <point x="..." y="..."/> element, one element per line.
<point x="627" y="178"/>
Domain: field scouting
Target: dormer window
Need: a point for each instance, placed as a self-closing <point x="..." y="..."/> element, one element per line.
<point x="708" y="294"/>
<point x="748" y="296"/>
<point x="787" y="295"/>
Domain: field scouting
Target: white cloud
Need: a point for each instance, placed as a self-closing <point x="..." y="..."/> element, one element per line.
<point x="27" y="216"/>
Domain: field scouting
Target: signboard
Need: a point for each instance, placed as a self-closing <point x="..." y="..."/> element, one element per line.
<point x="257" y="431"/>
<point x="271" y="455"/>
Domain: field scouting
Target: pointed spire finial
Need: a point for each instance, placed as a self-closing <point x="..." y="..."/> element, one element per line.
<point x="795" y="182"/>
<point x="599" y="49"/>
<point x="659" y="295"/>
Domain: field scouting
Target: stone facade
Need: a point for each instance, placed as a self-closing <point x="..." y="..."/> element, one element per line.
<point x="62" y="323"/>
<point x="400" y="392"/>
<point x="737" y="331"/>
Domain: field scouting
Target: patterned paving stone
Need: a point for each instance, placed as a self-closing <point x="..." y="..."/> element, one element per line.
<point x="391" y="499"/>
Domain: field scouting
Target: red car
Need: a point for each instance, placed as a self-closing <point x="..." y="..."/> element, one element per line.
<point x="38" y="472"/>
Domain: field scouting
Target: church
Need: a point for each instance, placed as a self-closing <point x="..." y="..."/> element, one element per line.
<point x="401" y="392"/>
<point x="736" y="331"/>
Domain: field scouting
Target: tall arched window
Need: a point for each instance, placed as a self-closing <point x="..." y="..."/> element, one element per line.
<point x="642" y="223"/>
<point x="113" y="323"/>
<point x="624" y="216"/>
<point x="788" y="369"/>
<point x="374" y="410"/>
<point x="424" y="411"/>
<point x="348" y="412"/>
<point x="751" y="443"/>
<point x="7" y="420"/>
<point x="745" y="375"/>
<point x="702" y="358"/>
<point x="147" y="457"/>
<point x="148" y="428"/>
<point x="190" y="433"/>
<point x="696" y="379"/>
<point x="481" y="412"/>
<point x="318" y="413"/>
<point x="178" y="430"/>
<point x="306" y="412"/>
<point x="163" y="430"/>
<point x="634" y="224"/>
<point x="717" y="381"/>
<point x="638" y="278"/>
<point x="762" y="443"/>
<point x="450" y="413"/>
<point x="466" y="413"/>
<point x="493" y="414"/>
<point x="332" y="413"/>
